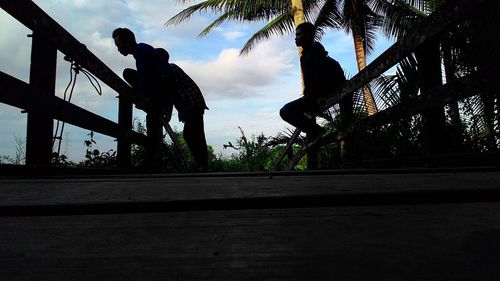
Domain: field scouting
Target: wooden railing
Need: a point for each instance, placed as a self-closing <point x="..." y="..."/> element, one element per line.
<point x="38" y="97"/>
<point x="421" y="42"/>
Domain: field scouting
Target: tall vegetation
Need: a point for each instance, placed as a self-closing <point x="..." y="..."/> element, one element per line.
<point x="20" y="156"/>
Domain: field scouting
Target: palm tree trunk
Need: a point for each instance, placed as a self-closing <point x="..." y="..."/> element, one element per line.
<point x="430" y="76"/>
<point x="359" y="48"/>
<point x="298" y="12"/>
<point x="298" y="18"/>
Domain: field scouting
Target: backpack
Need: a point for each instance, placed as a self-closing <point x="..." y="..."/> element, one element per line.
<point x="333" y="72"/>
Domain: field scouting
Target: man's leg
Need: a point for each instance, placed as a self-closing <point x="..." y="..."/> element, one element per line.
<point x="294" y="114"/>
<point x="154" y="130"/>
<point x="194" y="134"/>
<point x="130" y="75"/>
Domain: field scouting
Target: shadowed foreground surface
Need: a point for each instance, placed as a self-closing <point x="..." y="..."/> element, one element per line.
<point x="409" y="225"/>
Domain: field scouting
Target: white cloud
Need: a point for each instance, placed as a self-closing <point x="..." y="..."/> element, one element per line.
<point x="80" y="3"/>
<point x="233" y="35"/>
<point x="233" y="76"/>
<point x="155" y="13"/>
<point x="81" y="18"/>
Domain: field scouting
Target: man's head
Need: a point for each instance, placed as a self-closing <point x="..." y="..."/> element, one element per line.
<point x="124" y="40"/>
<point x="164" y="55"/>
<point x="304" y="34"/>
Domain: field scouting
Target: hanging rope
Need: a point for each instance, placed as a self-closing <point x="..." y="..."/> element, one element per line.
<point x="93" y="80"/>
<point x="74" y="70"/>
<point x="71" y="87"/>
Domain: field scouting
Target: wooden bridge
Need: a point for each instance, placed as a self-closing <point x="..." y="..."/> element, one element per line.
<point x="435" y="216"/>
<point x="419" y="224"/>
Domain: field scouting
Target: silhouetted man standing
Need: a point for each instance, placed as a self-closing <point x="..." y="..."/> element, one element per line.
<point x="321" y="74"/>
<point x="160" y="85"/>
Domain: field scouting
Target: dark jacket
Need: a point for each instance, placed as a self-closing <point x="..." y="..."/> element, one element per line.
<point x="151" y="70"/>
<point x="188" y="96"/>
<point x="322" y="74"/>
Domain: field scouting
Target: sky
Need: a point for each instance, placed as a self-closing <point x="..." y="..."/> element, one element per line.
<point x="240" y="91"/>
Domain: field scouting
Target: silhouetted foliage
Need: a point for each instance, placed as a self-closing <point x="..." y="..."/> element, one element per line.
<point x="20" y="156"/>
<point x="254" y="154"/>
<point x="95" y="158"/>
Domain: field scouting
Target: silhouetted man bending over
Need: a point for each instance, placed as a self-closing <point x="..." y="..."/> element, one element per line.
<point x="321" y="74"/>
<point x="160" y="85"/>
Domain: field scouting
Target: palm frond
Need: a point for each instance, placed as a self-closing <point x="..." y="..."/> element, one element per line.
<point x="400" y="17"/>
<point x="472" y="112"/>
<point x="329" y="16"/>
<point x="184" y="1"/>
<point x="407" y="72"/>
<point x="186" y="14"/>
<point x="215" y="23"/>
<point x="396" y="88"/>
<point x="372" y="25"/>
<point x="359" y="17"/>
<point x="386" y="90"/>
<point x="281" y="25"/>
<point x="425" y="6"/>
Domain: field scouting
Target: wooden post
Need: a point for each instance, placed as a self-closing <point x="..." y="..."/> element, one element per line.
<point x="123" y="146"/>
<point x="429" y="66"/>
<point x="485" y="42"/>
<point x="39" y="134"/>
<point x="347" y="117"/>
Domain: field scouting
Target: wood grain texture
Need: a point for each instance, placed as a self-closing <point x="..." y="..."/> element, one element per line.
<point x="406" y="240"/>
<point x="427" y="242"/>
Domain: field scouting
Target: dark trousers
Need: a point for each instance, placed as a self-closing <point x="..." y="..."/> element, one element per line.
<point x="154" y="130"/>
<point x="194" y="135"/>
<point x="294" y="114"/>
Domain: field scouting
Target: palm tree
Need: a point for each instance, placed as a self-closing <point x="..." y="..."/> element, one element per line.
<point x="353" y="16"/>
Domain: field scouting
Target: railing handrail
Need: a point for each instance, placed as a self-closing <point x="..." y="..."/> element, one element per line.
<point x="450" y="13"/>
<point x="29" y="99"/>
<point x="34" y="18"/>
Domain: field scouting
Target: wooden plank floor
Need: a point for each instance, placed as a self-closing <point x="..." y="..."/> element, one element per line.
<point x="402" y="226"/>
